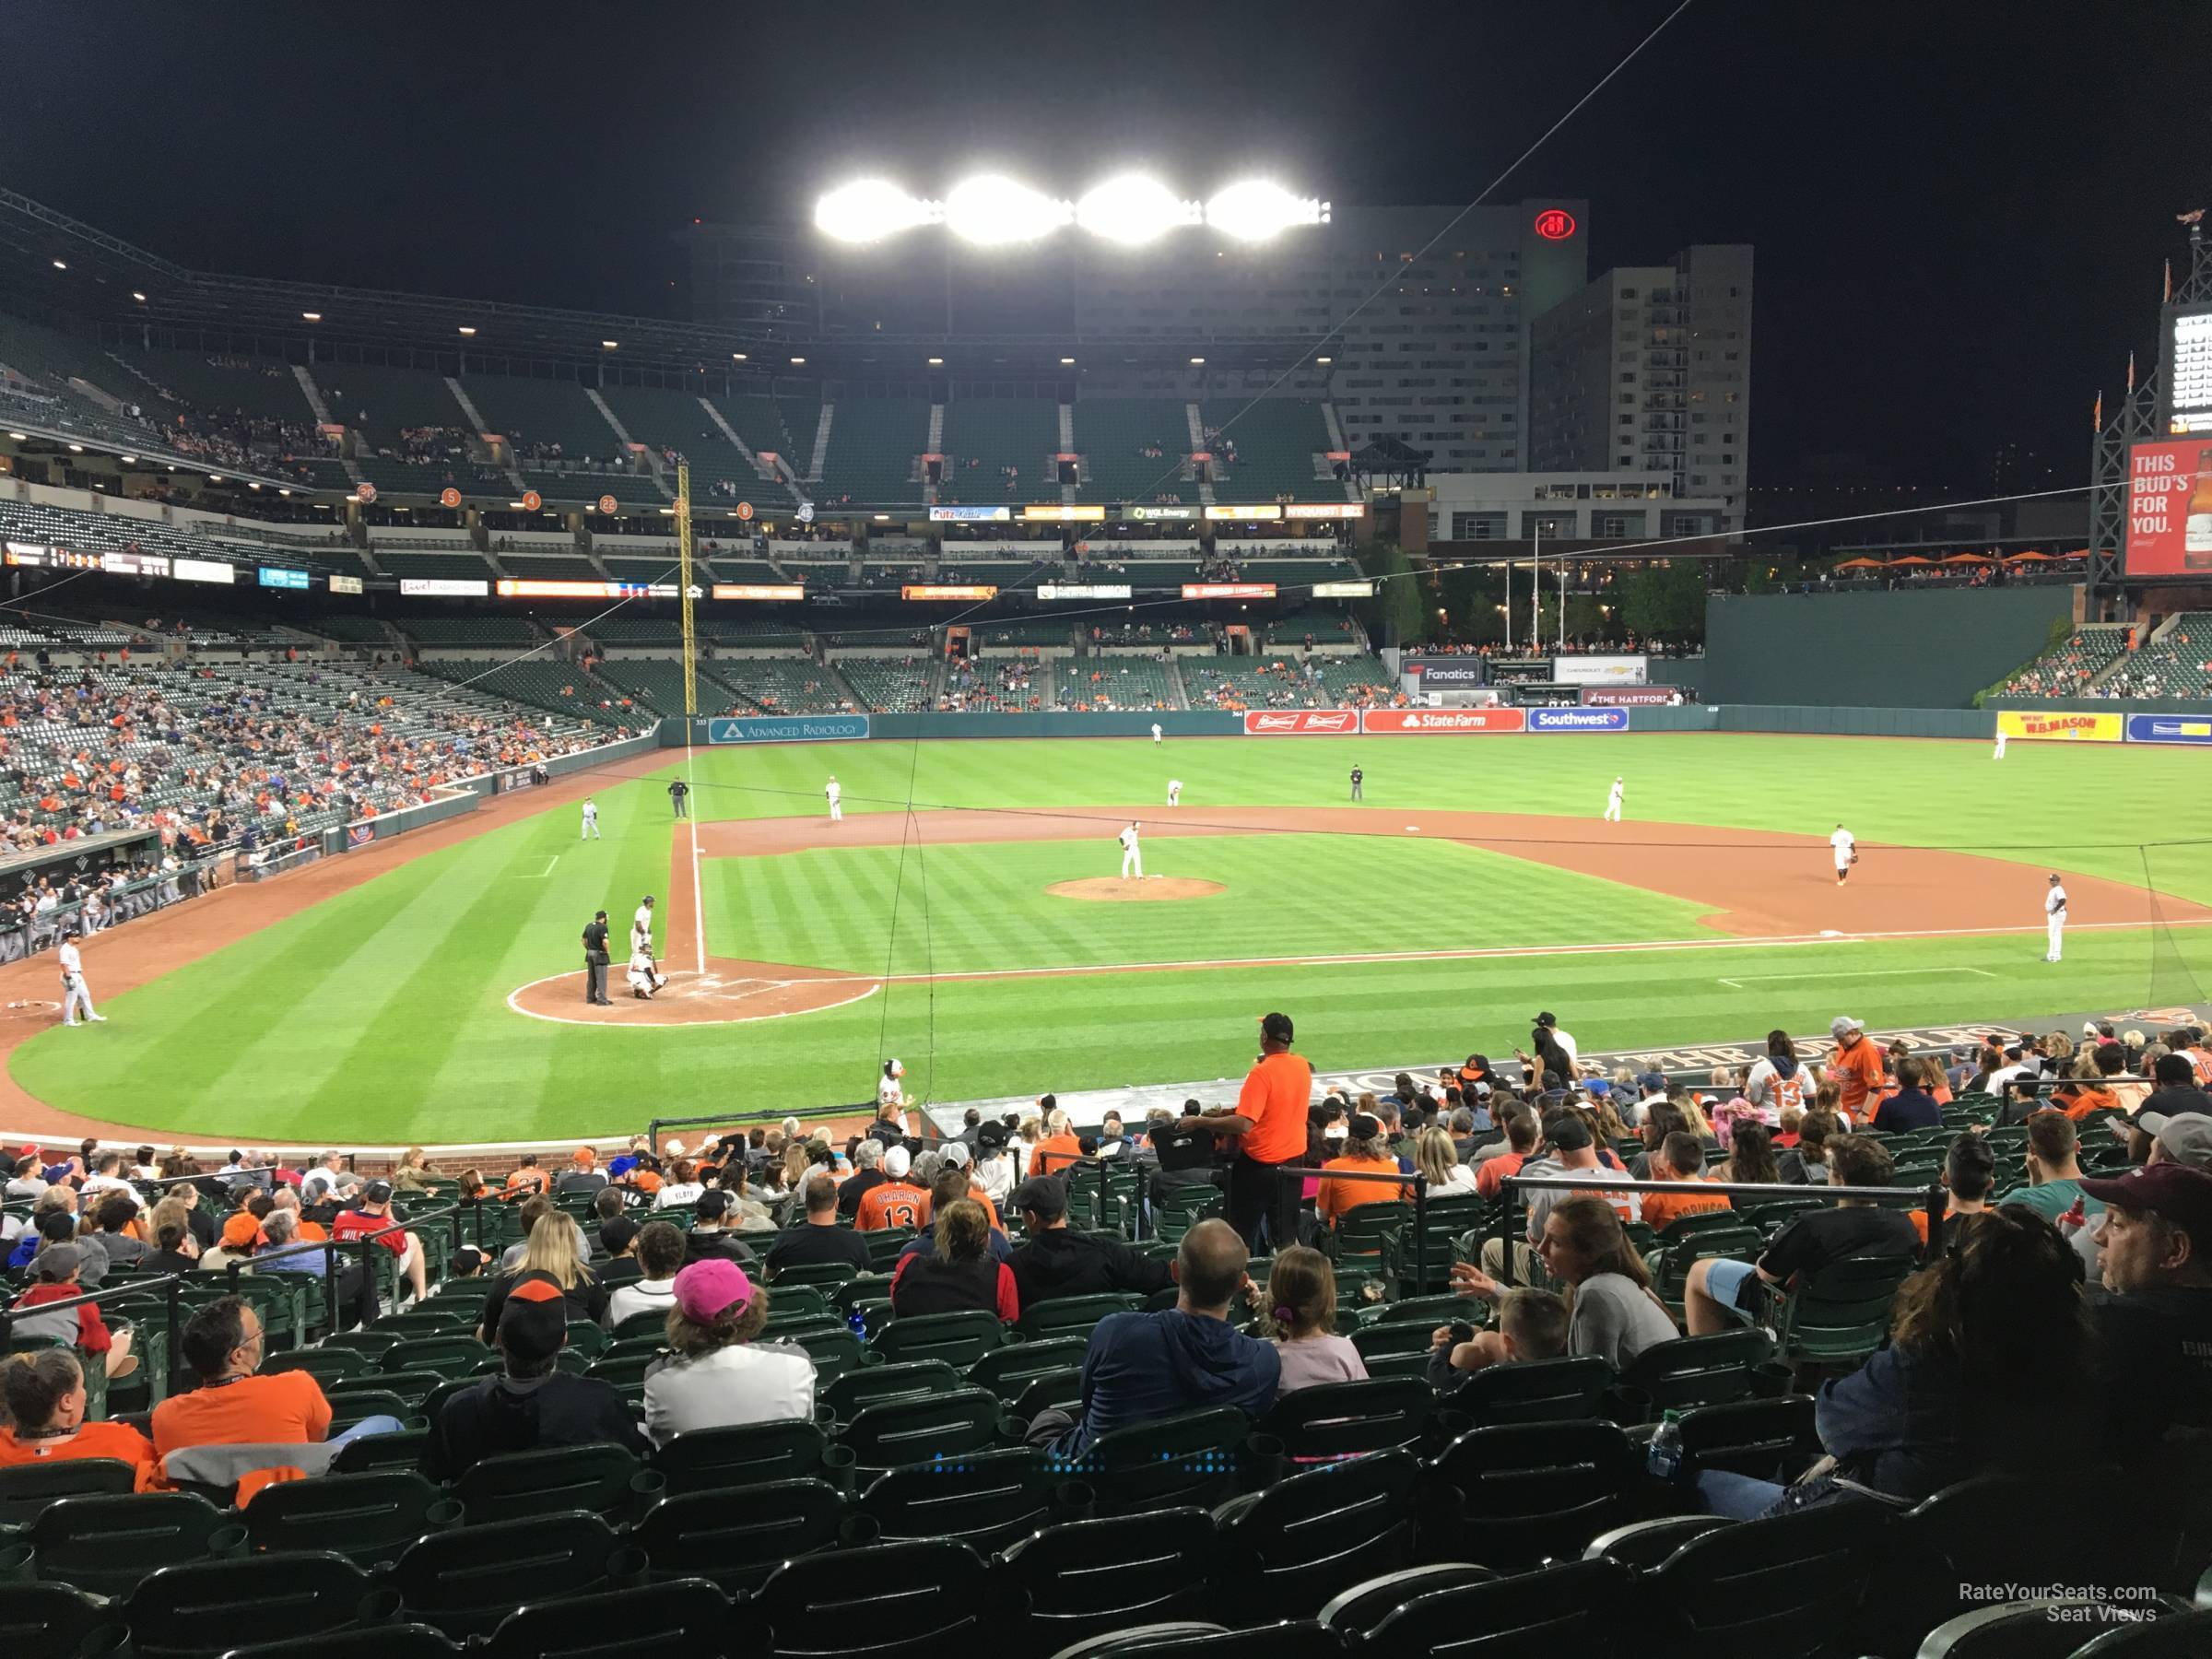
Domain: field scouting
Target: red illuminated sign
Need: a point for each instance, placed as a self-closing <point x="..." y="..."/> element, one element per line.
<point x="1302" y="722"/>
<point x="1554" y="224"/>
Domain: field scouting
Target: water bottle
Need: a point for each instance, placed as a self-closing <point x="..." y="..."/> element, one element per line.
<point x="859" y="1321"/>
<point x="1665" y="1459"/>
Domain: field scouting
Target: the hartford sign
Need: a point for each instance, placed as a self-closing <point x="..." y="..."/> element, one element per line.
<point x="1345" y="723"/>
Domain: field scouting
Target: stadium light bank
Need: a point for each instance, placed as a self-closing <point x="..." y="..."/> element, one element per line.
<point x="992" y="210"/>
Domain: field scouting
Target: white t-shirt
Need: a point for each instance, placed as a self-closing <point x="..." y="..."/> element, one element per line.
<point x="742" y="1383"/>
<point x="1566" y="1041"/>
<point x="1843" y="842"/>
<point x="1773" y="1093"/>
<point x="678" y="1192"/>
<point x="640" y="1296"/>
<point x="2055" y="903"/>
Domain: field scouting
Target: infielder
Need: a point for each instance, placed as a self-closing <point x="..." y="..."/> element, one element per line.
<point x="837" y="798"/>
<point x="1358" y="778"/>
<point x="1156" y="730"/>
<point x="2054" y="913"/>
<point x="1133" y="857"/>
<point x="1613" y="803"/>
<point x="2000" y="754"/>
<point x="591" y="821"/>
<point x="641" y="928"/>
<point x="75" y="994"/>
<point x="1174" y="792"/>
<point x="644" y="978"/>
<point x="1847" y="852"/>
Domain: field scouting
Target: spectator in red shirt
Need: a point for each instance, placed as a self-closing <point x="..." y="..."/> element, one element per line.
<point x="1521" y="1137"/>
<point x="53" y="1278"/>
<point x="372" y="1215"/>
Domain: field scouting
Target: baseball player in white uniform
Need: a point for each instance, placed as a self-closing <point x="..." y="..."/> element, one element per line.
<point x="641" y="928"/>
<point x="1156" y="730"/>
<point x="2000" y="754"/>
<point x="1133" y="857"/>
<point x="644" y="978"/>
<point x="75" y="994"/>
<point x="2054" y="916"/>
<point x="1846" y="847"/>
<point x="889" y="1090"/>
<point x="591" y="821"/>
<point x="837" y="799"/>
<point x="1174" y="792"/>
<point x="1613" y="803"/>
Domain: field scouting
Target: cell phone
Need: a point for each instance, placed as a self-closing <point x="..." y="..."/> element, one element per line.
<point x="1461" y="1331"/>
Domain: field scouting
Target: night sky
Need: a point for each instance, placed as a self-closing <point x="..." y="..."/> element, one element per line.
<point x="1959" y="210"/>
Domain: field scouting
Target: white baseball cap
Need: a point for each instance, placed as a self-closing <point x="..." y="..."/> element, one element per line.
<point x="897" y="1161"/>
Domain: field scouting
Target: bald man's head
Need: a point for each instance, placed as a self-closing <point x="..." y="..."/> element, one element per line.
<point x="1209" y="1266"/>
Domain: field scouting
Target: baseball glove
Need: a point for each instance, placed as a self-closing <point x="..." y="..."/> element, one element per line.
<point x="1854" y="858"/>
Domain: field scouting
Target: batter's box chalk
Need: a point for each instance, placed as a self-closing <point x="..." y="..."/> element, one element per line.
<point x="1830" y="933"/>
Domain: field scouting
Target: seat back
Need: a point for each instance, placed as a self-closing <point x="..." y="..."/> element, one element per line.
<point x="193" y="1611"/>
<point x="1358" y="1610"/>
<point x="1573" y="1608"/>
<point x="54" y="1618"/>
<point x="1545" y="1391"/>
<point x="1517" y="1495"/>
<point x="367" y="1518"/>
<point x="1078" y="1579"/>
<point x="1008" y="1370"/>
<point x="735" y="1540"/>
<point x="1766" y="1439"/>
<point x="26" y="1489"/>
<point x="902" y="1601"/>
<point x="857" y="1390"/>
<point x="1345" y="1419"/>
<point x="1190" y="1458"/>
<point x="819" y="1275"/>
<point x="684" y="1616"/>
<point x="1841" y="1313"/>
<point x="1698" y="1371"/>
<point x="106" y="1543"/>
<point x="1780" y="1588"/>
<point x="983" y="1499"/>
<point x="1293" y="1546"/>
<point x="893" y="1432"/>
<point x="959" y="1339"/>
<point x="1071" y="1316"/>
<point x="456" y="1354"/>
<point x="466" y="1581"/>
<point x="596" y="1478"/>
<point x="744" y="1454"/>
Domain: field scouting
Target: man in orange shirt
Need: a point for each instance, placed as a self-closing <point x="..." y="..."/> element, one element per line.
<point x="1269" y="1128"/>
<point x="1856" y="1068"/>
<point x="1679" y="1156"/>
<point x="1059" y="1149"/>
<point x="895" y="1201"/>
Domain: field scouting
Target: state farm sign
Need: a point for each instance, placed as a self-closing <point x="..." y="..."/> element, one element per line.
<point x="1301" y="723"/>
<point x="1446" y="719"/>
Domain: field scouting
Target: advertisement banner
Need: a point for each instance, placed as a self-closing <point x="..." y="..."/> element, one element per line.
<point x="938" y="590"/>
<point x="1578" y="720"/>
<point x="1631" y="696"/>
<point x="441" y="587"/>
<point x="1443" y="719"/>
<point x="1229" y="590"/>
<point x="346" y="584"/>
<point x="1446" y="674"/>
<point x="1147" y="514"/>
<point x="1301" y="723"/>
<point x="1246" y="515"/>
<point x="2170" y="728"/>
<point x="136" y="564"/>
<point x="209" y="569"/>
<point x="795" y="728"/>
<point x="1062" y="590"/>
<point x="1326" y="510"/>
<point x="1599" y="670"/>
<point x="759" y="589"/>
<point x="271" y="578"/>
<point x="969" y="515"/>
<point x="1065" y="515"/>
<point x="2041" y="726"/>
<point x="1344" y="590"/>
<point x="2169" y="510"/>
<point x="1519" y="671"/>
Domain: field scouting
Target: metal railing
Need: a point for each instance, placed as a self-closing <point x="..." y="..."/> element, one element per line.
<point x="333" y="1248"/>
<point x="1932" y="1196"/>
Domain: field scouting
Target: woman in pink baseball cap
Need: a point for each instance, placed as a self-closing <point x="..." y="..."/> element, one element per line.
<point x="719" y="1375"/>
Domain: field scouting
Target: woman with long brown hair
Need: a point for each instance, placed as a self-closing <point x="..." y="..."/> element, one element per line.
<point x="958" y="1274"/>
<point x="1751" y="1157"/>
<point x="1986" y="1347"/>
<point x="1612" y="1311"/>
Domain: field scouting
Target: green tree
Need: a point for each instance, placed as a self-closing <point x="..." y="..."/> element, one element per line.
<point x="1394" y="614"/>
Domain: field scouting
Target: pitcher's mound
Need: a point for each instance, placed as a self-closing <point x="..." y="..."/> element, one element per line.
<point x="1114" y="888"/>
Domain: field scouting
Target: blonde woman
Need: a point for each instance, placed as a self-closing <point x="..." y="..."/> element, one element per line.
<point x="552" y="1249"/>
<point x="1437" y="1159"/>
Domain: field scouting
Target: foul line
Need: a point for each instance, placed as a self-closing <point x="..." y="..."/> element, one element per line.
<point x="1359" y="958"/>
<point x="1758" y="979"/>
<point x="544" y="873"/>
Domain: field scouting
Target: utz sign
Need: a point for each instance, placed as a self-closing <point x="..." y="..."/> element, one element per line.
<point x="1301" y="723"/>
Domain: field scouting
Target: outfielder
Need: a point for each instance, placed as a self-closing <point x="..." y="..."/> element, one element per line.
<point x="1133" y="857"/>
<point x="1847" y="852"/>
<point x="2054" y="916"/>
<point x="1613" y="803"/>
<point x="75" y="994"/>
<point x="1174" y="792"/>
<point x="1156" y="730"/>
<point x="644" y="978"/>
<point x="1358" y="778"/>
<point x="641" y="928"/>
<point x="2000" y="754"/>
<point x="837" y="798"/>
<point x="591" y="821"/>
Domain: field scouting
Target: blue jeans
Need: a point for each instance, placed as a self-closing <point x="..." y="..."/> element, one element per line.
<point x="1736" y="1497"/>
<point x="366" y="1426"/>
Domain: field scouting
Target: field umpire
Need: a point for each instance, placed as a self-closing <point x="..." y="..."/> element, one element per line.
<point x="595" y="960"/>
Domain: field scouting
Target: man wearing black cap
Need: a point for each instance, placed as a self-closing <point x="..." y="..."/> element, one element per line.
<point x="1269" y="1126"/>
<point x="2155" y="1310"/>
<point x="595" y="960"/>
<point x="370" y="1220"/>
<point x="1056" y="1261"/>
<point x="532" y="1402"/>
<point x="711" y="1236"/>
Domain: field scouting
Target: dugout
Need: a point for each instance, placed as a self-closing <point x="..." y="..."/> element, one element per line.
<point x="87" y="856"/>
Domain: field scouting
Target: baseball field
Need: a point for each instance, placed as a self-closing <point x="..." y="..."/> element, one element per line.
<point x="432" y="988"/>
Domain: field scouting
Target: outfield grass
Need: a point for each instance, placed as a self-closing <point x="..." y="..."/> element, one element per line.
<point x="381" y="1016"/>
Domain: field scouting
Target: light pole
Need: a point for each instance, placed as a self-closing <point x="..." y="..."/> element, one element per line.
<point x="1562" y="604"/>
<point x="1536" y="589"/>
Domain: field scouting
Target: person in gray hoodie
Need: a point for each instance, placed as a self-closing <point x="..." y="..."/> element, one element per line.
<point x="1143" y="1367"/>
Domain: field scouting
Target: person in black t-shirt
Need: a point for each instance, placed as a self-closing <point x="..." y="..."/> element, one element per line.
<point x="867" y="1172"/>
<point x="1720" y="1295"/>
<point x="821" y="1239"/>
<point x="595" y="959"/>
